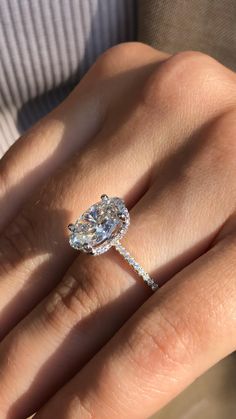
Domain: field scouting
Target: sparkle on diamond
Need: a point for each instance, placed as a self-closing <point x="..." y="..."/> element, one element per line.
<point x="99" y="225"/>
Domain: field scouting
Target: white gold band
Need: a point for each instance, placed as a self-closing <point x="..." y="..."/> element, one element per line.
<point x="136" y="266"/>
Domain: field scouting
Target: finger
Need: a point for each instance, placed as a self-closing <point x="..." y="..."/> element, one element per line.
<point x="102" y="291"/>
<point x="34" y="251"/>
<point x="172" y="339"/>
<point x="67" y="128"/>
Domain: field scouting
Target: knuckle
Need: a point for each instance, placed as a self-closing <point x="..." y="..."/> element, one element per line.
<point x="162" y="346"/>
<point x="16" y="242"/>
<point x="77" y="295"/>
<point x="67" y="302"/>
<point x="189" y="60"/>
<point x="121" y="56"/>
<point x="185" y="76"/>
<point x="104" y="65"/>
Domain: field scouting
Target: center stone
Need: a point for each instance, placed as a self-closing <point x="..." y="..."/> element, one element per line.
<point x="100" y="225"/>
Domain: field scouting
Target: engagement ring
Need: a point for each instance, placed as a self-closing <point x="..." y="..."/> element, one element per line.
<point x="101" y="227"/>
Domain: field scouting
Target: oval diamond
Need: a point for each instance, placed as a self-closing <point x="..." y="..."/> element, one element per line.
<point x="98" y="227"/>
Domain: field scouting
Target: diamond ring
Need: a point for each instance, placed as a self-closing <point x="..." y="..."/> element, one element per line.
<point x="101" y="227"/>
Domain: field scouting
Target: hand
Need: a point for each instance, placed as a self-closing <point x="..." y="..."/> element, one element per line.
<point x="160" y="132"/>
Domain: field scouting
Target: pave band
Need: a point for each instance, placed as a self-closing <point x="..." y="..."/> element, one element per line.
<point x="136" y="266"/>
<point x="101" y="227"/>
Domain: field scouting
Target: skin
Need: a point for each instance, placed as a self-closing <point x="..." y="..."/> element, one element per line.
<point x="82" y="336"/>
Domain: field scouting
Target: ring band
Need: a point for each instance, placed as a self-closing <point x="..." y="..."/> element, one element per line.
<point x="101" y="227"/>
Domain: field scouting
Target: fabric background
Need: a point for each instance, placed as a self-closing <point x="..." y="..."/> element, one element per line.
<point x="45" y="48"/>
<point x="203" y="25"/>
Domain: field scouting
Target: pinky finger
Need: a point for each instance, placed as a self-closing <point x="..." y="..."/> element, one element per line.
<point x="174" y="337"/>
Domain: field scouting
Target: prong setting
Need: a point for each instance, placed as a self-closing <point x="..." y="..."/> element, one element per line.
<point x="72" y="227"/>
<point x="104" y="197"/>
<point x="87" y="248"/>
<point x="121" y="216"/>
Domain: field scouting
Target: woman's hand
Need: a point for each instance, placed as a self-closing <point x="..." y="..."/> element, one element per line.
<point x="160" y="132"/>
